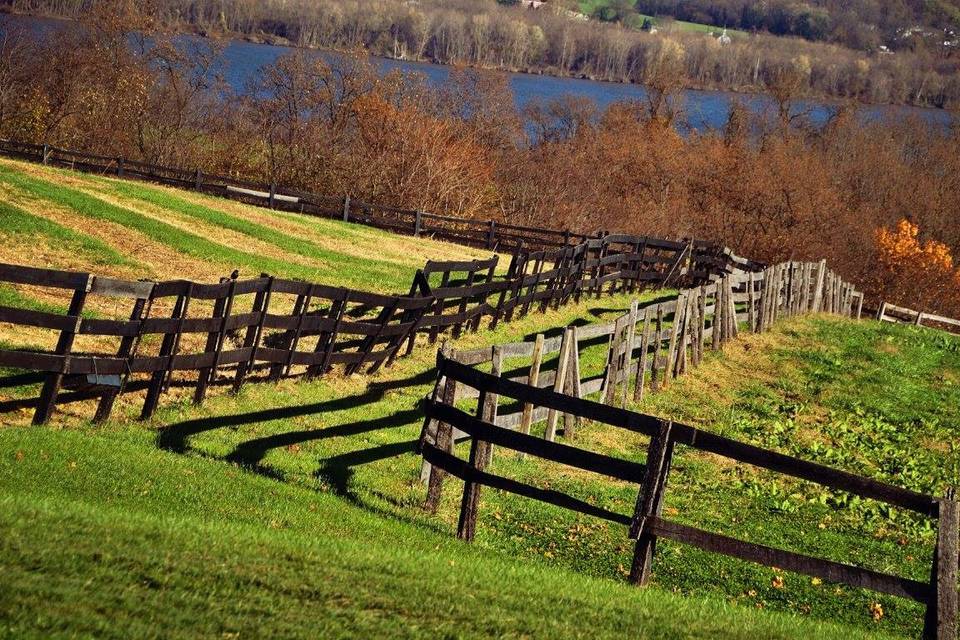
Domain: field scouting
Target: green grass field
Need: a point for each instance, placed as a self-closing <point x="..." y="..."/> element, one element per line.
<point x="293" y="509"/>
<point x="591" y="7"/>
<point x="67" y="220"/>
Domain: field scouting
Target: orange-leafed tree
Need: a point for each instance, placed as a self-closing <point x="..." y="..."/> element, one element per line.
<point x="917" y="273"/>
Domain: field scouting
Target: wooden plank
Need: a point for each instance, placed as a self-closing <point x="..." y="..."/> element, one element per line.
<point x="464" y="471"/>
<point x="254" y="334"/>
<point x="480" y="456"/>
<point x="678" y="319"/>
<point x="649" y="497"/>
<point x="127" y="349"/>
<point x="941" y="615"/>
<point x="443" y="440"/>
<point x="571" y="423"/>
<point x="563" y="363"/>
<point x="657" y="345"/>
<point x="790" y="561"/>
<point x="533" y="380"/>
<point x="554" y="451"/>
<point x="51" y="386"/>
<point x="642" y="362"/>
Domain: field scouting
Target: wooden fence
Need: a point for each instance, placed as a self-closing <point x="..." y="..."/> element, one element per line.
<point x="673" y="337"/>
<point x="902" y="315"/>
<point x="646" y="524"/>
<point x="222" y="333"/>
<point x="288" y="327"/>
<point x="649" y="346"/>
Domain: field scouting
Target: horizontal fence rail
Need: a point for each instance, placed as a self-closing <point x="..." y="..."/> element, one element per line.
<point x="219" y="332"/>
<point x="647" y="524"/>
<point x="493" y="235"/>
<point x="649" y="346"/>
<point x="902" y="315"/>
<point x="282" y="327"/>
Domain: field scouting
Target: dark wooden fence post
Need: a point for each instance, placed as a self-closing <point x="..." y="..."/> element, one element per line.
<point x="51" y="386"/>
<point x="941" y="618"/>
<point x="480" y="456"/>
<point x="417" y="223"/>
<point x="128" y="347"/>
<point x="650" y="503"/>
<point x="197" y="180"/>
<point x="492" y="235"/>
<point x="120" y="167"/>
<point x="346" y="208"/>
<point x="443" y="440"/>
<point x="261" y="304"/>
<point x="168" y="350"/>
<point x="273" y="195"/>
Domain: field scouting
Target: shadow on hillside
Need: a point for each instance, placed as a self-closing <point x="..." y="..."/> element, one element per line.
<point x="176" y="437"/>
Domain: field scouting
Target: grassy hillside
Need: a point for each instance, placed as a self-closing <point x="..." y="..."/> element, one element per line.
<point x="292" y="510"/>
<point x="62" y="219"/>
<point x="295" y="507"/>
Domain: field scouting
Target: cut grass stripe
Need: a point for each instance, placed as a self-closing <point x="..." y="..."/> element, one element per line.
<point x="19" y="224"/>
<point x="368" y="272"/>
<point x="161" y="232"/>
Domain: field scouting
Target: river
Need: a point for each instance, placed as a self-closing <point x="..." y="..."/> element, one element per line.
<point x="702" y="110"/>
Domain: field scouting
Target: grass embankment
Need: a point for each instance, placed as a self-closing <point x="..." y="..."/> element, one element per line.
<point x="272" y="524"/>
<point x="294" y="507"/>
<point x="592" y="7"/>
<point x="61" y="219"/>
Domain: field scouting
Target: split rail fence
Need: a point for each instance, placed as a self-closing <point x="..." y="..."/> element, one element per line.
<point x="646" y="348"/>
<point x="902" y="315"/>
<point x="641" y="346"/>
<point x="646" y="525"/>
<point x="277" y="327"/>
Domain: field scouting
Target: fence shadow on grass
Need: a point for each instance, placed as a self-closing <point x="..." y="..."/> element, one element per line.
<point x="176" y="437"/>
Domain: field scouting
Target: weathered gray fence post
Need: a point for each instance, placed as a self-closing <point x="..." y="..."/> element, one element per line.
<point x="563" y="364"/>
<point x="346" y="208"/>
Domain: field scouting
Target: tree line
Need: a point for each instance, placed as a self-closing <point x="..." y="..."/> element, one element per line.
<point x="864" y="25"/>
<point x="772" y="188"/>
<point x="489" y="35"/>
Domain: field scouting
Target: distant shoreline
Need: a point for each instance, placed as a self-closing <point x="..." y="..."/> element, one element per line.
<point x="272" y="40"/>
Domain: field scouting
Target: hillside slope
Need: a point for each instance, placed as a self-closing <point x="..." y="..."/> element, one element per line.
<point x="67" y="220"/>
<point x="294" y="507"/>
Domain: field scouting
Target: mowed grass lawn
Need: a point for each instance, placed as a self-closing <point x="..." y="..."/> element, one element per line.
<point x="62" y="219"/>
<point x="292" y="510"/>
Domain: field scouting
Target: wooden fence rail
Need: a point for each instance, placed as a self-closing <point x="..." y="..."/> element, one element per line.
<point x="892" y="313"/>
<point x="221" y="332"/>
<point x="288" y="327"/>
<point x="650" y="346"/>
<point x="486" y="234"/>
<point x="646" y="524"/>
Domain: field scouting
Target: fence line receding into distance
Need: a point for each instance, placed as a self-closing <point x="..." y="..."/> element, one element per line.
<point x="702" y="316"/>
<point x="224" y="332"/>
